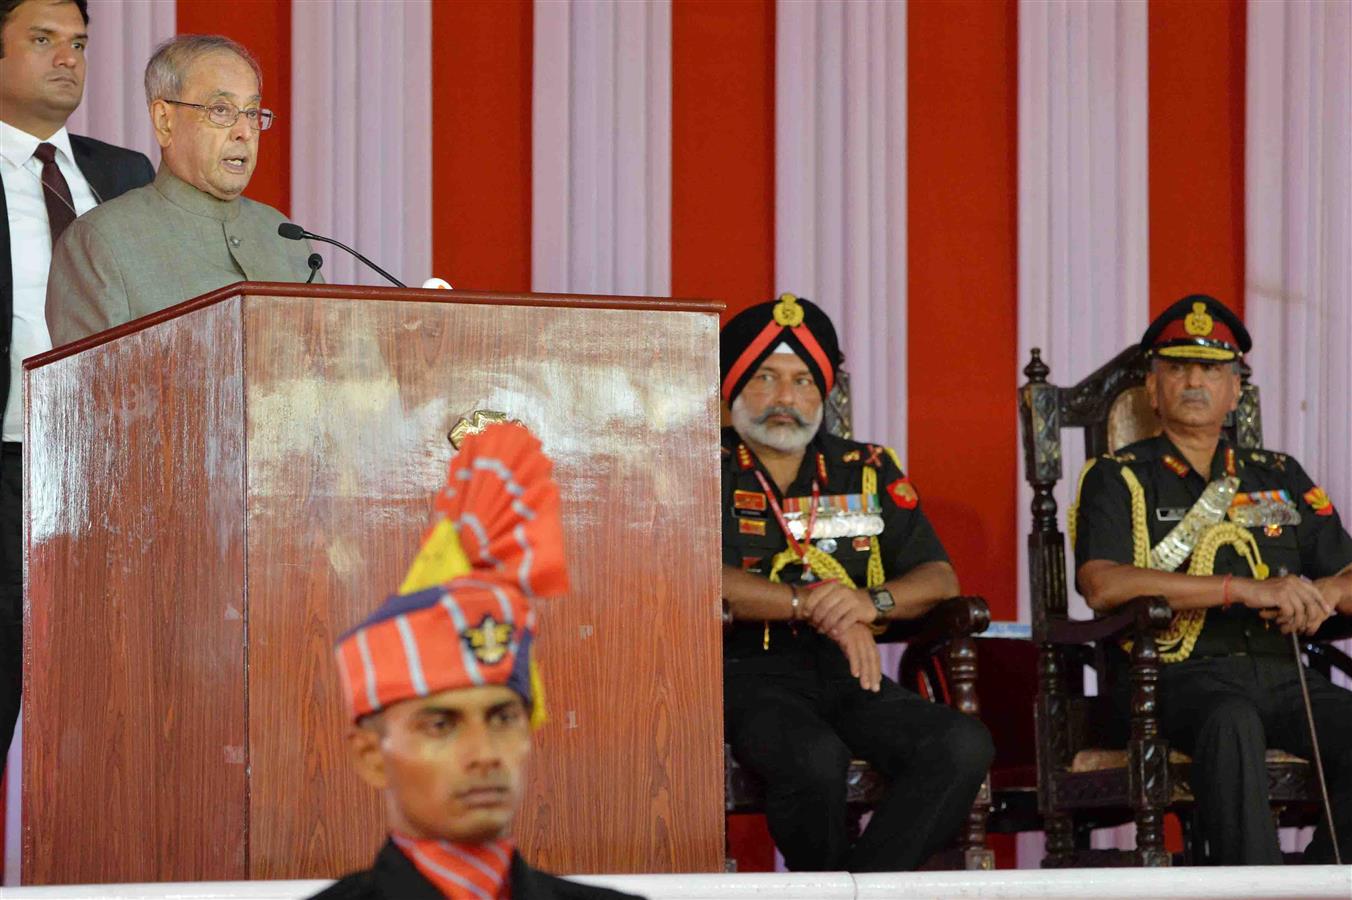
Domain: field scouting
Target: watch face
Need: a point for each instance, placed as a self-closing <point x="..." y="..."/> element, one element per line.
<point x="882" y="600"/>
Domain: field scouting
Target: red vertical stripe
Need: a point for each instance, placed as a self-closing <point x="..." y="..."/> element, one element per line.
<point x="962" y="59"/>
<point x="481" y="143"/>
<point x="1197" y="96"/>
<point x="722" y="160"/>
<point x="723" y="198"/>
<point x="264" y="26"/>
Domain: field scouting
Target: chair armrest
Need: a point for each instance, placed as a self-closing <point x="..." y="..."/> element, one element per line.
<point x="1138" y="614"/>
<point x="1335" y="658"/>
<point x="955" y="617"/>
<point x="1335" y="628"/>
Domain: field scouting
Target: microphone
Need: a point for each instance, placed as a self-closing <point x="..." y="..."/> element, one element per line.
<point x="314" y="262"/>
<point x="293" y="232"/>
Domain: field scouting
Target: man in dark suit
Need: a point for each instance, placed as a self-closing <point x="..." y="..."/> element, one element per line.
<point x="441" y="690"/>
<point x="49" y="177"/>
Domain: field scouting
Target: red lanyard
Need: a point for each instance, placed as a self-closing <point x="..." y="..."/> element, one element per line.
<point x="783" y="523"/>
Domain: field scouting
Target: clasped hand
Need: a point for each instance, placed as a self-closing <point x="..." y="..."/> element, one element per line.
<point x="1296" y="604"/>
<point x="843" y="614"/>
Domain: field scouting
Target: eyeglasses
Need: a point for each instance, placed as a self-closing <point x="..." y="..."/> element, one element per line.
<point x="226" y="114"/>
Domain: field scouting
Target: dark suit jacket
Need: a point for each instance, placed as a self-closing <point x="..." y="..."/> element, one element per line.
<point x="394" y="877"/>
<point x="110" y="171"/>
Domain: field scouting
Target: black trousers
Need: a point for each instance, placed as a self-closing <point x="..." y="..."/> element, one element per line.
<point x="798" y="731"/>
<point x="1225" y="712"/>
<point x="11" y="590"/>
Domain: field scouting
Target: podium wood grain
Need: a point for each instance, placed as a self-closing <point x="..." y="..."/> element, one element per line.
<point x="135" y="632"/>
<point x="341" y="406"/>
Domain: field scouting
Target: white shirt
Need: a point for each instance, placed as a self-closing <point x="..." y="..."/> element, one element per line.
<point x="30" y="250"/>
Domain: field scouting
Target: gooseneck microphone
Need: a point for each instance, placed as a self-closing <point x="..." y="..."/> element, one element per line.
<point x="314" y="262"/>
<point x="293" y="232"/>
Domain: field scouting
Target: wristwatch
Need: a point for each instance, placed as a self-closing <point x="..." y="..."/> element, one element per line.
<point x="882" y="601"/>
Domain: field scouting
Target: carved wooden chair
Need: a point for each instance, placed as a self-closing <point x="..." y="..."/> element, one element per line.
<point x="940" y="642"/>
<point x="1093" y="768"/>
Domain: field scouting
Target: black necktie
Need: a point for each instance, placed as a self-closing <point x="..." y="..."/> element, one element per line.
<point x="55" y="192"/>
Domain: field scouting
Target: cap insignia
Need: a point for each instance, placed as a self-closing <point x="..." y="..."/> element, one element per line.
<point x="489" y="641"/>
<point x="1199" y="322"/>
<point x="787" y="311"/>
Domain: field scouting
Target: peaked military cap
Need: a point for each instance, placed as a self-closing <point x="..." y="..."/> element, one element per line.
<point x="752" y="335"/>
<point x="1199" y="328"/>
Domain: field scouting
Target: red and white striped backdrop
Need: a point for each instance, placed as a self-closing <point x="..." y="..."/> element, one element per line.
<point x="955" y="180"/>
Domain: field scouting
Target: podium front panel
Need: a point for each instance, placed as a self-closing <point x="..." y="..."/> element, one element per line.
<point x="135" y="748"/>
<point x="348" y="406"/>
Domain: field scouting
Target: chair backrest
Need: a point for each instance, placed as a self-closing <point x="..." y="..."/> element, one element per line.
<point x="1111" y="407"/>
<point x="838" y="415"/>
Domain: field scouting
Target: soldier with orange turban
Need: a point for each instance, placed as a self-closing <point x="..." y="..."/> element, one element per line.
<point x="441" y="688"/>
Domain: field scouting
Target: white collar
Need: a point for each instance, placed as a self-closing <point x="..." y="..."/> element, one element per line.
<point x="18" y="146"/>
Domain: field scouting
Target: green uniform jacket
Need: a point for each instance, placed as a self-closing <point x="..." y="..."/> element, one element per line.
<point x="159" y="245"/>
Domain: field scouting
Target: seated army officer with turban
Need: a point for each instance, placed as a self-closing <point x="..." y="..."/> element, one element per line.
<point x="1246" y="549"/>
<point x="823" y="539"/>
<point x="442" y="690"/>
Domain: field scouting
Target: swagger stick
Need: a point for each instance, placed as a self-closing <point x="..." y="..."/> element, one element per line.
<point x="1314" y="741"/>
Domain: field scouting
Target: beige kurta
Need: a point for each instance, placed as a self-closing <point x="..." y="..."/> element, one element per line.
<point x="159" y="245"/>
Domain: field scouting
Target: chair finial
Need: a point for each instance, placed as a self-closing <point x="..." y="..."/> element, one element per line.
<point x="1037" y="370"/>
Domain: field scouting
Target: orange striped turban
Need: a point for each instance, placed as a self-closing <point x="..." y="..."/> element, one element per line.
<point x="463" y="616"/>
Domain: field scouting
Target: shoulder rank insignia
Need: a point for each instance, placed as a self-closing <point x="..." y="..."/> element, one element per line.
<point x="903" y="493"/>
<point x="1230" y="464"/>
<point x="1319" y="501"/>
<point x="1121" y="457"/>
<point x="752" y="501"/>
<point x="875" y="456"/>
<point x="1279" y="462"/>
<point x="1175" y="465"/>
<point x="744" y="460"/>
<point x="1258" y="456"/>
<point x="850" y="456"/>
<point x="489" y="641"/>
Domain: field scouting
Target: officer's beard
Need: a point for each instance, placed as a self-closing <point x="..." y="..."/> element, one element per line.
<point x="781" y="436"/>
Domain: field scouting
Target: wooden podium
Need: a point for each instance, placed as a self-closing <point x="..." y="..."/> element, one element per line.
<point x="216" y="491"/>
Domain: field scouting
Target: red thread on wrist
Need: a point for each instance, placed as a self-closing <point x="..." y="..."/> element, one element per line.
<point x="1225" y="592"/>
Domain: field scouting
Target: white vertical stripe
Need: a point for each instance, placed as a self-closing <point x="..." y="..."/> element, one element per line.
<point x="601" y="169"/>
<point x="1083" y="264"/>
<point x="840" y="190"/>
<point x="1298" y="233"/>
<point x="121" y="37"/>
<point x="1083" y="202"/>
<point x="361" y="134"/>
<point x="415" y="666"/>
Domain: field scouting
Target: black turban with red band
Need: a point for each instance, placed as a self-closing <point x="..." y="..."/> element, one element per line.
<point x="753" y="334"/>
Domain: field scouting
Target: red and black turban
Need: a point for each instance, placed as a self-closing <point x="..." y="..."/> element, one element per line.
<point x="753" y="334"/>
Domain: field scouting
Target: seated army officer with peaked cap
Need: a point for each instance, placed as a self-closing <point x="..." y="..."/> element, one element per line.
<point x="1246" y="549"/>
<point x="442" y="690"/>
<point x="823" y="539"/>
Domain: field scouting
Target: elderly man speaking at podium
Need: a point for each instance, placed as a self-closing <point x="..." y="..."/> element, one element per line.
<point x="190" y="231"/>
